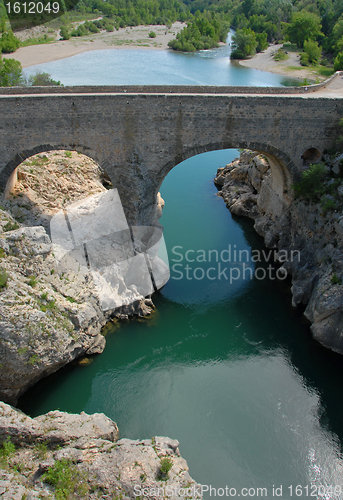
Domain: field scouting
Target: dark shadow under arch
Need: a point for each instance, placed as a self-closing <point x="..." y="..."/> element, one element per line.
<point x="311" y="155"/>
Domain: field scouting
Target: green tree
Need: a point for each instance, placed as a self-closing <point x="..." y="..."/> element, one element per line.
<point x="262" y="43"/>
<point x="64" y="33"/>
<point x="2" y="24"/>
<point x="337" y="30"/>
<point x="304" y="26"/>
<point x="244" y="43"/>
<point x="42" y="80"/>
<point x="11" y="73"/>
<point x="8" y="42"/>
<point x="201" y="34"/>
<point x="313" y="51"/>
<point x="338" y="64"/>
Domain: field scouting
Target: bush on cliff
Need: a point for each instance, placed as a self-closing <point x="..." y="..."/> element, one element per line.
<point x="3" y="278"/>
<point x="311" y="185"/>
<point x="67" y="480"/>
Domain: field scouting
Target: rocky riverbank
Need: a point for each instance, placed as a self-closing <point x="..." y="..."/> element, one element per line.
<point x="49" y="315"/>
<point x="52" y="314"/>
<point x="61" y="455"/>
<point x="311" y="231"/>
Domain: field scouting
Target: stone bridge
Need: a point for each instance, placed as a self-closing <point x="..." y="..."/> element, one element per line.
<point x="138" y="134"/>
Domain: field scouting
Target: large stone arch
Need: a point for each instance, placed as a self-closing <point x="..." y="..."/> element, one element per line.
<point x="283" y="170"/>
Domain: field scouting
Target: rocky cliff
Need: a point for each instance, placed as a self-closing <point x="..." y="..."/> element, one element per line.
<point x="49" y="315"/>
<point x="61" y="455"/>
<point x="313" y="231"/>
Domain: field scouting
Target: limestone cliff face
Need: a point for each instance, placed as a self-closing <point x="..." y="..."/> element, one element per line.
<point x="245" y="185"/>
<point x="49" y="315"/>
<point x="92" y="459"/>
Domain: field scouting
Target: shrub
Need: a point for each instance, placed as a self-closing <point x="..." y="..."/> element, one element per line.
<point x="66" y="479"/>
<point x="11" y="73"/>
<point x="311" y="187"/>
<point x="32" y="281"/>
<point x="152" y="34"/>
<point x="64" y="33"/>
<point x="3" y="278"/>
<point x="304" y="59"/>
<point x="280" y="55"/>
<point x="42" y="80"/>
<point x="7" y="449"/>
<point x="338" y="63"/>
<point x="10" y="226"/>
<point x="328" y="204"/>
<point x="165" y="466"/>
<point x="9" y="43"/>
<point x="335" y="280"/>
<point x="313" y="51"/>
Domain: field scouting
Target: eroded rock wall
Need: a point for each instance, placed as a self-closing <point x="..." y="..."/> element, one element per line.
<point x="48" y="315"/>
<point x="302" y="227"/>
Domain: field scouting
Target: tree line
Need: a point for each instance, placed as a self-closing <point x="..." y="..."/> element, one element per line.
<point x="313" y="27"/>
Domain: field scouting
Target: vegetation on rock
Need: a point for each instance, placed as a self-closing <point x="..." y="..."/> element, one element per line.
<point x="66" y="479"/>
<point x="165" y="466"/>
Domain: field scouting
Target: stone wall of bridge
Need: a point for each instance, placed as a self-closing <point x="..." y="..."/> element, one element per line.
<point x="138" y="137"/>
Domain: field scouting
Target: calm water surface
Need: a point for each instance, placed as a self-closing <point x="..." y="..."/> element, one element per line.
<point x="159" y="67"/>
<point x="230" y="370"/>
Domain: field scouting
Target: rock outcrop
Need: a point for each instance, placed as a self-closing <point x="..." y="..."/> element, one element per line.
<point x="82" y="454"/>
<point x="304" y="229"/>
<point x="51" y="313"/>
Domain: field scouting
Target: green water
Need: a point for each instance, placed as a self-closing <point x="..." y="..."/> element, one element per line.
<point x="230" y="370"/>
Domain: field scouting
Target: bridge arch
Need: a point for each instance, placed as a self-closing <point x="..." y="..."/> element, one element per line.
<point x="283" y="170"/>
<point x="9" y="173"/>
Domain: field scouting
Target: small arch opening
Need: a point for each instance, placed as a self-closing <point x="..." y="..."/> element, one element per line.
<point x="311" y="155"/>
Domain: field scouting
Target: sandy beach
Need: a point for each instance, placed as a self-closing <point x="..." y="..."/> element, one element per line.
<point x="125" y="38"/>
<point x="265" y="62"/>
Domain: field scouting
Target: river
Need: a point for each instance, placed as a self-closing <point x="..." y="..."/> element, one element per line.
<point x="228" y="368"/>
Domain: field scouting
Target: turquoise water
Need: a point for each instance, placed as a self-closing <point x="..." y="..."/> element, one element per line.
<point x="228" y="368"/>
<point x="158" y="67"/>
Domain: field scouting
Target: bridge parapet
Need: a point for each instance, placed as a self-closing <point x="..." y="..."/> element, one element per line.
<point x="169" y="89"/>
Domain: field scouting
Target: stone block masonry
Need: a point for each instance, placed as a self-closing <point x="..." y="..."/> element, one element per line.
<point x="138" y="134"/>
